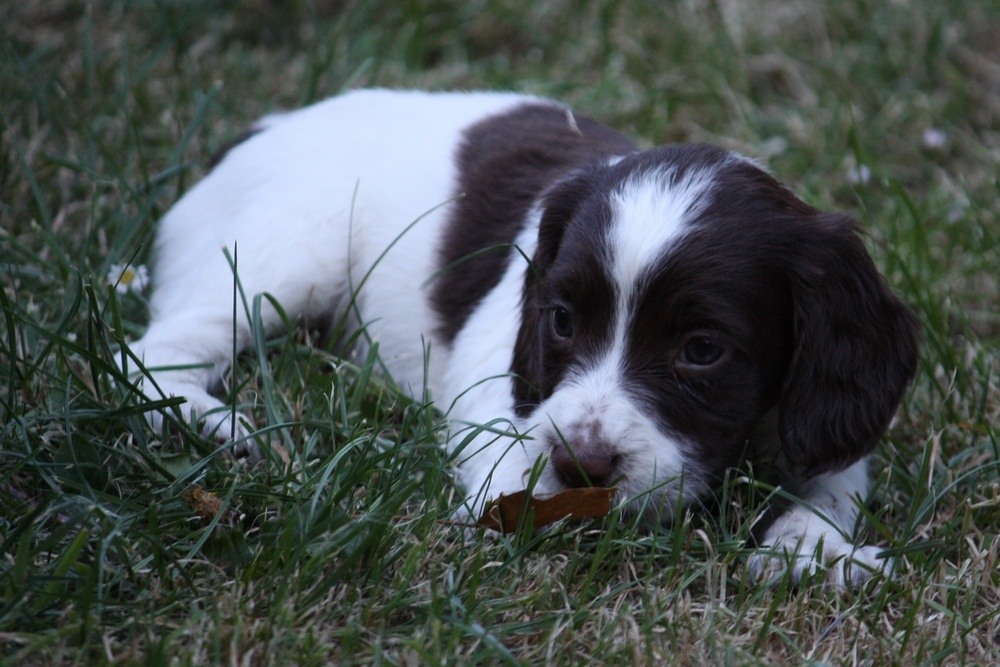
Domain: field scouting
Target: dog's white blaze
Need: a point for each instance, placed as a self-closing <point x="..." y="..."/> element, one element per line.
<point x="649" y="214"/>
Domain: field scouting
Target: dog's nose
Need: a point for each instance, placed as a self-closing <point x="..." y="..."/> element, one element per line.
<point x="584" y="466"/>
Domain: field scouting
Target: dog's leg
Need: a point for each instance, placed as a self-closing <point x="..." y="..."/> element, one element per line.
<point x="300" y="261"/>
<point x="493" y="457"/>
<point x="183" y="355"/>
<point x="818" y="530"/>
<point x="495" y="464"/>
<point x="495" y="451"/>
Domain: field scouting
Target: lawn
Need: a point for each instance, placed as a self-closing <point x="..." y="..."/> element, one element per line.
<point x="124" y="545"/>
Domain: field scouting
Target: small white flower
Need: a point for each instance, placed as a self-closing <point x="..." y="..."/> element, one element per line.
<point x="127" y="278"/>
<point x="859" y="174"/>
<point x="935" y="139"/>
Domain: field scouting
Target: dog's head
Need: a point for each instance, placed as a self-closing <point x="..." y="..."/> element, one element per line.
<point x="679" y="295"/>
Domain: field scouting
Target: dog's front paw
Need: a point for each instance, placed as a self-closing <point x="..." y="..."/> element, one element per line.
<point x="215" y="421"/>
<point x="856" y="565"/>
<point x="845" y="565"/>
<point x="802" y="546"/>
<point x="226" y="427"/>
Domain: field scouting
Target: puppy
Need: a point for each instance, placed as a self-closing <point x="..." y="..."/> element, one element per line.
<point x="597" y="313"/>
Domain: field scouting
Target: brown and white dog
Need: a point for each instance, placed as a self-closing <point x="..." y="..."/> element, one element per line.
<point x="647" y="319"/>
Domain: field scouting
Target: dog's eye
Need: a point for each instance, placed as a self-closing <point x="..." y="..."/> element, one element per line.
<point x="561" y="322"/>
<point x="702" y="351"/>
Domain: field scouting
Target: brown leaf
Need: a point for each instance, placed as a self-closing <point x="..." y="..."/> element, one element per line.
<point x="503" y="513"/>
<point x="205" y="504"/>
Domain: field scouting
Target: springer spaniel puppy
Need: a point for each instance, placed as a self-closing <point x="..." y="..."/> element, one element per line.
<point x="578" y="307"/>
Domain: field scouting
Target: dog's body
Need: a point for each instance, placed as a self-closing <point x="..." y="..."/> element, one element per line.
<point x="682" y="312"/>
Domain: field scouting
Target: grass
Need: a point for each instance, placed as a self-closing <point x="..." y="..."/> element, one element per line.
<point x="123" y="545"/>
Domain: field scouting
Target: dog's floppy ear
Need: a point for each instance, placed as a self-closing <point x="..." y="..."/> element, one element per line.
<point x="854" y="351"/>
<point x="559" y="204"/>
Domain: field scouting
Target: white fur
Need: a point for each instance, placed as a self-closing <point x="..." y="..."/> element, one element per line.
<point x="649" y="215"/>
<point x="818" y="530"/>
<point x="477" y="389"/>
